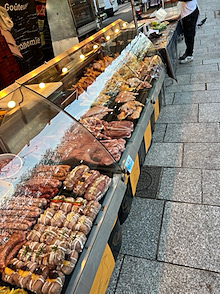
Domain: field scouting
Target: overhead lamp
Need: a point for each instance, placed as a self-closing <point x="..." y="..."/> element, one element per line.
<point x="64" y="69"/>
<point x="82" y="56"/>
<point x="117" y="30"/>
<point x="42" y="85"/>
<point x="11" y="104"/>
<point x="95" y="47"/>
<point x="108" y="38"/>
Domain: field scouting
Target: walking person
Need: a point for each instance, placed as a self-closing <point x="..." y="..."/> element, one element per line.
<point x="189" y="17"/>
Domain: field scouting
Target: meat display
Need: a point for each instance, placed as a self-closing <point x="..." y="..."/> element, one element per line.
<point x="97" y="112"/>
<point x="118" y="129"/>
<point x="131" y="110"/>
<point x="125" y="96"/>
<point x="115" y="147"/>
<point x="91" y="73"/>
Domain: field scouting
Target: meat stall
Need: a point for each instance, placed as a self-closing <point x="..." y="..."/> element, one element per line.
<point x="75" y="133"/>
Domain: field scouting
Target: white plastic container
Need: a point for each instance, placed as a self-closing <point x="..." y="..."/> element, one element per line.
<point x="161" y="14"/>
<point x="10" y="164"/>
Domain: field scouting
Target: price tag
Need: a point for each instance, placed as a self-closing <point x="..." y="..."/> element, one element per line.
<point x="129" y="163"/>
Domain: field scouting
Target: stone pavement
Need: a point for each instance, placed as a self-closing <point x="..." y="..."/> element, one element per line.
<point x="171" y="242"/>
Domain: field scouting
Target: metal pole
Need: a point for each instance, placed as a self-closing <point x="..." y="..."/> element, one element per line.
<point x="163" y="4"/>
<point x="134" y="16"/>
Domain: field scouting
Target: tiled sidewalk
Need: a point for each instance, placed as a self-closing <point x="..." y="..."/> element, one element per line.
<point x="171" y="244"/>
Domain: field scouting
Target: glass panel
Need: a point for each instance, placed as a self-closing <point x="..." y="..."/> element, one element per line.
<point x="82" y="12"/>
<point x="39" y="132"/>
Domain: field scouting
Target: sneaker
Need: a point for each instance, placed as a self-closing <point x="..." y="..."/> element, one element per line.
<point x="183" y="56"/>
<point x="186" y="60"/>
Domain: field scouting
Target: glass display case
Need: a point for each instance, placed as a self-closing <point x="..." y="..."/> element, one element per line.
<point x="58" y="194"/>
<point x="103" y="82"/>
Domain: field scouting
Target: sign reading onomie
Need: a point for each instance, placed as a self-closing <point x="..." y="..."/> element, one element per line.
<point x="25" y="31"/>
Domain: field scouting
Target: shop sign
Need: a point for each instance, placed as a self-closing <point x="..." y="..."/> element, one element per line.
<point x="25" y="31"/>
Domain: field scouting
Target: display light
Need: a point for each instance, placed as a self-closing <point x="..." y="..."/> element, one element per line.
<point x="95" y="47"/>
<point x="11" y="104"/>
<point x="124" y="24"/>
<point x="108" y="38"/>
<point x="82" y="56"/>
<point x="64" y="70"/>
<point x="42" y="85"/>
<point x="117" y="30"/>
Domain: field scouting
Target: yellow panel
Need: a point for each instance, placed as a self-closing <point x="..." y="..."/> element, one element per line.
<point x="134" y="176"/>
<point x="156" y="109"/>
<point x="147" y="136"/>
<point x="126" y="179"/>
<point x="103" y="273"/>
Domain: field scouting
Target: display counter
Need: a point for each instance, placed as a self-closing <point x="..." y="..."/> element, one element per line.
<point x="81" y="126"/>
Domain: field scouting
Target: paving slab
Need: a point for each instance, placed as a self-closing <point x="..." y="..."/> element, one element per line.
<point x="141" y="276"/>
<point x="205" y="56"/>
<point x="195" y="68"/>
<point x="213" y="86"/>
<point x="159" y="133"/>
<point x="114" y="278"/>
<point x="197" y="97"/>
<point x="211" y="61"/>
<point x="201" y="155"/>
<point x="169" y="98"/>
<point x="181" y="184"/>
<point x="211" y="187"/>
<point x="140" y="232"/>
<point x="190" y="236"/>
<point x="182" y="88"/>
<point x="209" y="112"/>
<point x="205" y="78"/>
<point x="213" y="49"/>
<point x="165" y="155"/>
<point x="182" y="79"/>
<point x="192" y="132"/>
<point x="178" y="114"/>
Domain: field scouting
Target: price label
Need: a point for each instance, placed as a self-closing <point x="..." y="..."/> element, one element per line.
<point x="129" y="163"/>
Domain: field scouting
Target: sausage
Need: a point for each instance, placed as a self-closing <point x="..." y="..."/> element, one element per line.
<point x="7" y="247"/>
<point x="22" y="275"/>
<point x="15" y="212"/>
<point x="71" y="220"/>
<point x="83" y="224"/>
<point x="54" y="183"/>
<point x="39" y="202"/>
<point x="97" y="189"/>
<point x="14" y="251"/>
<point x="86" y="179"/>
<point x="74" y="176"/>
<point x="53" y="283"/>
<point x="68" y="264"/>
<point x="37" y="279"/>
<point x="14" y="226"/>
<point x="34" y="235"/>
<point x="92" y="209"/>
<point x="58" y="219"/>
<point x="77" y="241"/>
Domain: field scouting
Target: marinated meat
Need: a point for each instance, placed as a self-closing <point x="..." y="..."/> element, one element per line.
<point x="97" y="189"/>
<point x="128" y="109"/>
<point x="125" y="96"/>
<point x="97" y="111"/>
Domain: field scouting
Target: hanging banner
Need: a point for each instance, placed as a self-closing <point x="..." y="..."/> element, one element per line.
<point x="25" y="32"/>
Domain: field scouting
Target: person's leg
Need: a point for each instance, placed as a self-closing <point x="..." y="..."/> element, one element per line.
<point x="189" y="28"/>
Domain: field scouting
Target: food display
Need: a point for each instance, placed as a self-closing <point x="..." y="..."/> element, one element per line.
<point x="46" y="220"/>
<point x="65" y="190"/>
